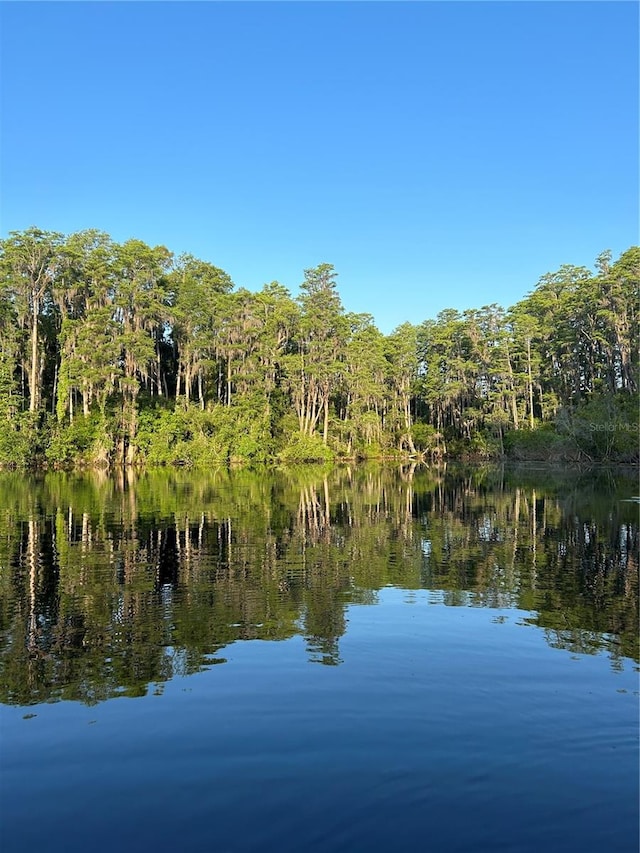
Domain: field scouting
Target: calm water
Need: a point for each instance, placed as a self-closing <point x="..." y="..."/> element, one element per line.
<point x="358" y="660"/>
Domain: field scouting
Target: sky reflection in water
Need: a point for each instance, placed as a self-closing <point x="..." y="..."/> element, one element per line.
<point x="488" y="701"/>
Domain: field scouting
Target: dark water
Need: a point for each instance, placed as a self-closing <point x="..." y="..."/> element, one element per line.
<point x="358" y="660"/>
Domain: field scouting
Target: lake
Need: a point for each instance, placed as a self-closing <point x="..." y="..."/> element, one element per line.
<point x="354" y="659"/>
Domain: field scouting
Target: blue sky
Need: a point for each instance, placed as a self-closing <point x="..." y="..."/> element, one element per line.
<point x="437" y="154"/>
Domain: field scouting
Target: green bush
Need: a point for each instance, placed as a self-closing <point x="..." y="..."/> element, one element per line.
<point x="195" y="437"/>
<point x="604" y="428"/>
<point x="245" y="430"/>
<point x="178" y="437"/>
<point x="426" y="437"/>
<point x="305" y="448"/>
<point x="86" y="441"/>
<point x="541" y="443"/>
<point x="19" y="441"/>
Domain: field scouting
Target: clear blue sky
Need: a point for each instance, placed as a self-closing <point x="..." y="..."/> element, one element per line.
<point x="437" y="154"/>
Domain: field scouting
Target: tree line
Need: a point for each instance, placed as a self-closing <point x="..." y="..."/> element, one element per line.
<point x="120" y="353"/>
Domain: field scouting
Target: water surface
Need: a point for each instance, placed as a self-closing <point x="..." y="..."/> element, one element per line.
<point x="362" y="659"/>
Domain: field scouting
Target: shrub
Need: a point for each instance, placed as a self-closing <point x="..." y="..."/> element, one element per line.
<point x="305" y="448"/>
<point x="541" y="443"/>
<point x="19" y="441"/>
<point x="604" y="428"/>
<point x="86" y="441"/>
<point x="178" y="437"/>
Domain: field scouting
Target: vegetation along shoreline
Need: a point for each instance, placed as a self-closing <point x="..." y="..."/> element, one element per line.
<point x="124" y="354"/>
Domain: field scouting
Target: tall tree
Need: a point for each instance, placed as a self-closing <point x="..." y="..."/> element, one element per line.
<point x="320" y="344"/>
<point x="402" y="355"/>
<point x="195" y="287"/>
<point x="365" y="372"/>
<point x="141" y="310"/>
<point x="29" y="263"/>
<point x="84" y="293"/>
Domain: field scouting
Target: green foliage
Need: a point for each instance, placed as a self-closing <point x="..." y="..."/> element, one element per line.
<point x="245" y="430"/>
<point x="20" y="441"/>
<point x="178" y="437"/>
<point x="305" y="448"/>
<point x="193" y="437"/>
<point x="425" y="437"/>
<point x="541" y="443"/>
<point x="481" y="445"/>
<point x="604" y="428"/>
<point x="85" y="441"/>
<point x="146" y="358"/>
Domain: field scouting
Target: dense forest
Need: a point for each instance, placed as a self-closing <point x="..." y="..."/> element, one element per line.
<point x="122" y="353"/>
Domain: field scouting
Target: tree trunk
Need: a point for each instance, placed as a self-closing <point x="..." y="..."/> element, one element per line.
<point x="54" y="393"/>
<point x="33" y="374"/>
<point x="325" y="431"/>
<point x="159" y="370"/>
<point x="530" y="383"/>
<point x="514" y="404"/>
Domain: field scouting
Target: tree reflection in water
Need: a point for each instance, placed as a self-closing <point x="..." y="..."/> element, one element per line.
<point x="110" y="584"/>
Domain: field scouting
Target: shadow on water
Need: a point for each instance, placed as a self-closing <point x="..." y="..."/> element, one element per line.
<point x="109" y="584"/>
